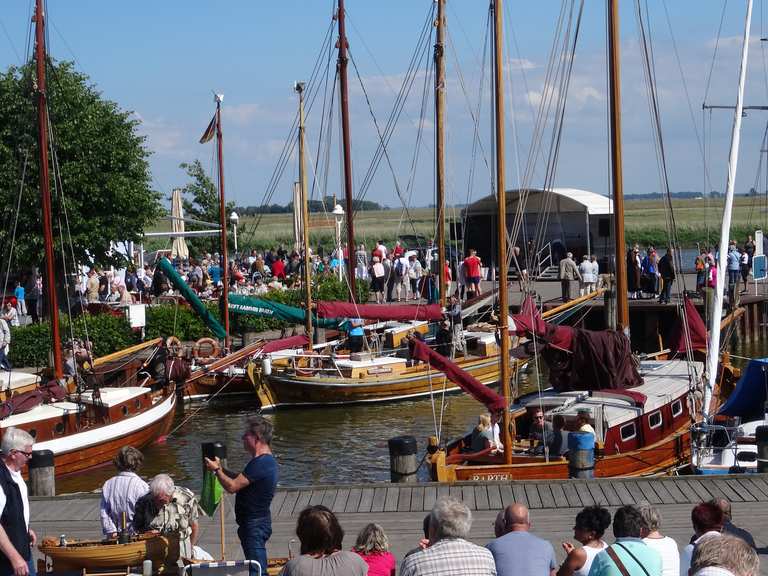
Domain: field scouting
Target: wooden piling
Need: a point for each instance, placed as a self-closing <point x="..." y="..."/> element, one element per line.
<point x="403" y="462"/>
<point x="42" y="474"/>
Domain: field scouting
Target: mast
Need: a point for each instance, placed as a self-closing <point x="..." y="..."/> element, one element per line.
<point x="440" y="146"/>
<point x="348" y="192"/>
<point x="617" y="181"/>
<point x="713" y="353"/>
<point x="299" y="88"/>
<point x="45" y="191"/>
<point x="501" y="225"/>
<point x="222" y="222"/>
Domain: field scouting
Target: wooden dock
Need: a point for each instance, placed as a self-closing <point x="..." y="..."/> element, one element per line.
<point x="400" y="509"/>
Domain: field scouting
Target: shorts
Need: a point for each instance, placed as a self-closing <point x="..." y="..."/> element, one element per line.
<point x="473" y="280"/>
<point x="378" y="284"/>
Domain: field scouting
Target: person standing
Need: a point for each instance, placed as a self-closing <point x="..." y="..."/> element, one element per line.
<point x="5" y="345"/>
<point x="667" y="273"/>
<point x="567" y="272"/>
<point x="361" y="259"/>
<point x="414" y="274"/>
<point x="120" y="493"/>
<point x="356" y="334"/>
<point x="518" y="551"/>
<point x="16" y="538"/>
<point x="586" y="285"/>
<point x="21" y="304"/>
<point x="473" y="271"/>
<point x="255" y="488"/>
<point x="744" y="269"/>
<point x="10" y="315"/>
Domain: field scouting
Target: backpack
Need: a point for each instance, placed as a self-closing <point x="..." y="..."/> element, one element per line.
<point x="400" y="267"/>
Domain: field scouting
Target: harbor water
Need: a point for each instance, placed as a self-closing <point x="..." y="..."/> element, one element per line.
<point x="329" y="445"/>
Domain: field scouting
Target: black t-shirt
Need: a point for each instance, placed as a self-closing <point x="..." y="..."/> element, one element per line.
<point x="253" y="501"/>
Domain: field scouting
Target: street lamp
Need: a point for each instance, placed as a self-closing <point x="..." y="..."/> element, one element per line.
<point x="234" y="219"/>
<point x="338" y="214"/>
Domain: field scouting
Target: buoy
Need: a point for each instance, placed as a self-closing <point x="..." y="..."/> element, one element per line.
<point x="202" y="355"/>
<point x="174" y="346"/>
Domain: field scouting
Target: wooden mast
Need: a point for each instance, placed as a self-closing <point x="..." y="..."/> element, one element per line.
<point x="222" y="223"/>
<point x="348" y="192"/>
<point x="299" y="87"/>
<point x="501" y="225"/>
<point x="45" y="191"/>
<point x="440" y="146"/>
<point x="617" y="182"/>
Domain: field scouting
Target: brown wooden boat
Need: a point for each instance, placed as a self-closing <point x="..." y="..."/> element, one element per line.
<point x="89" y="555"/>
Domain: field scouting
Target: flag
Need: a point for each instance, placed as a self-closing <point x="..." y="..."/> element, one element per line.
<point x="208" y="134"/>
<point x="211" y="493"/>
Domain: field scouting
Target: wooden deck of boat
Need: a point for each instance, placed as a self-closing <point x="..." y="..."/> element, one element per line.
<point x="400" y="509"/>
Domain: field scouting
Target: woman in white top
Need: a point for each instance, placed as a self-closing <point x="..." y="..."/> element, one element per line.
<point x="664" y="545"/>
<point x="591" y="524"/>
<point x="587" y="282"/>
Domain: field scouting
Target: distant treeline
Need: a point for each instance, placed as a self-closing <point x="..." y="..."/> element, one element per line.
<point x="325" y="205"/>
<point x="687" y="194"/>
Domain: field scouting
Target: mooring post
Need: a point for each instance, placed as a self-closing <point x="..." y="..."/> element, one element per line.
<point x="762" y="448"/>
<point x="42" y="477"/>
<point x="402" y="459"/>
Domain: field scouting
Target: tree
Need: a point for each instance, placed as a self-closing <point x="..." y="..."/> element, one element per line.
<point x="105" y="193"/>
<point x="201" y="202"/>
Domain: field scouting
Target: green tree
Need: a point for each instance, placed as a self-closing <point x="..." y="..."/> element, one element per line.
<point x="105" y="191"/>
<point x="201" y="202"/>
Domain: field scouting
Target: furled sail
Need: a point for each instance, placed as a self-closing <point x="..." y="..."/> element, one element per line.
<point x="403" y="312"/>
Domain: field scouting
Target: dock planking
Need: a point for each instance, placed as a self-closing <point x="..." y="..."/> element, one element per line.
<point x="400" y="508"/>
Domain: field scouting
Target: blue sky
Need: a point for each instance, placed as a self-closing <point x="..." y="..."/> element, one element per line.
<point x="162" y="60"/>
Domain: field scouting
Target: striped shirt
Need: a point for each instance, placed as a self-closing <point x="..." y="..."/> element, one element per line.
<point x="450" y="557"/>
<point x="119" y="495"/>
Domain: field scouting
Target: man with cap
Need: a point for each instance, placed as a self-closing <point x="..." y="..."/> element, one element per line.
<point x="582" y="416"/>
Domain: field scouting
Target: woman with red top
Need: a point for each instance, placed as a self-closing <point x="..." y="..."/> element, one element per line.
<point x="472" y="267"/>
<point x="373" y="546"/>
<point x="278" y="269"/>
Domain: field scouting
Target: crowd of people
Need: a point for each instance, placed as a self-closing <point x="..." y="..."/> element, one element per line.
<point x="717" y="547"/>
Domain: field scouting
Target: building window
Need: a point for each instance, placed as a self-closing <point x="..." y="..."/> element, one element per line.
<point x="627" y="432"/>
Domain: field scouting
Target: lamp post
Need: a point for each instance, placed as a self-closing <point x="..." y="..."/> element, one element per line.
<point x="338" y="214"/>
<point x="234" y="219"/>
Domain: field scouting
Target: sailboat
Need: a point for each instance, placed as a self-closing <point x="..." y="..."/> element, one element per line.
<point x="640" y="414"/>
<point x="84" y="427"/>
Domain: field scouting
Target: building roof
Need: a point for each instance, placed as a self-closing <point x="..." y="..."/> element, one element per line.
<point x="562" y="200"/>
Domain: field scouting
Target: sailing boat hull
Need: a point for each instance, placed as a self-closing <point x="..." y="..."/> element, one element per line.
<point x="281" y="390"/>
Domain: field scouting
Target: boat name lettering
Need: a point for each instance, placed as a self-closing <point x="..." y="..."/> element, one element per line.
<point x="490" y="477"/>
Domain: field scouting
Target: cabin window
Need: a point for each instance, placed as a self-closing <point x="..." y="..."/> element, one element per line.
<point x="137" y="404"/>
<point x="677" y="408"/>
<point x="654" y="420"/>
<point x="125" y="410"/>
<point x="59" y="428"/>
<point x="33" y="433"/>
<point x="627" y="431"/>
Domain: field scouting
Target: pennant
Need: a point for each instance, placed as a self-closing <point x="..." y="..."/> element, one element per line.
<point x="211" y="493"/>
<point x="208" y="134"/>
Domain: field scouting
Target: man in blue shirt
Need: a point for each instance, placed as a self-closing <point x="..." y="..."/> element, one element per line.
<point x="518" y="551"/>
<point x="255" y="488"/>
<point x="637" y="558"/>
<point x="356" y="335"/>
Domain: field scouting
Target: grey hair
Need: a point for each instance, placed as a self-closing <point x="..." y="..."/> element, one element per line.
<point x="724" y="505"/>
<point x="261" y="428"/>
<point x="651" y="516"/>
<point x="450" y="518"/>
<point x="729" y="552"/>
<point x="162" y="484"/>
<point x="372" y="539"/>
<point x="15" y="439"/>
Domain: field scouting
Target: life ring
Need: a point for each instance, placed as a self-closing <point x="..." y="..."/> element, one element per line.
<point x="204" y="355"/>
<point x="174" y="346"/>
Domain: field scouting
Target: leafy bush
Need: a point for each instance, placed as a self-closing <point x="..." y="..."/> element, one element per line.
<point x="165" y="320"/>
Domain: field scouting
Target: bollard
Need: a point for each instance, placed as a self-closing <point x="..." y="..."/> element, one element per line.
<point x="402" y="459"/>
<point x="146" y="568"/>
<point x="42" y="479"/>
<point x="761" y="434"/>
<point x="581" y="455"/>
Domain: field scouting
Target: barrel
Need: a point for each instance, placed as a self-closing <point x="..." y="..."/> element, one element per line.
<point x="761" y="435"/>
<point x="581" y="455"/>
<point x="42" y="474"/>
<point x="402" y="459"/>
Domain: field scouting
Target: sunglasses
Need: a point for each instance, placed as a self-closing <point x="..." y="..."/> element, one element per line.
<point x="27" y="454"/>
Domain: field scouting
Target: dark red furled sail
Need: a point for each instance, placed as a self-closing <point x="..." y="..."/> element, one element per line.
<point x="696" y="328"/>
<point x="284" y="343"/>
<point x="471" y="385"/>
<point x="379" y="311"/>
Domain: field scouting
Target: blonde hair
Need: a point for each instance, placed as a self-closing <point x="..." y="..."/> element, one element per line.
<point x="372" y="540"/>
<point x="483" y="422"/>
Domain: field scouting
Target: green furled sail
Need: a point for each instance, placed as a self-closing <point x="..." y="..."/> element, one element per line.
<point x="189" y="295"/>
<point x="240" y="304"/>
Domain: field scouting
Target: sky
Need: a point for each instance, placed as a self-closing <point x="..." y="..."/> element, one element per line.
<point x="163" y="61"/>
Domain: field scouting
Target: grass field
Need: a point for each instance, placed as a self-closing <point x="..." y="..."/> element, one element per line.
<point x="696" y="220"/>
